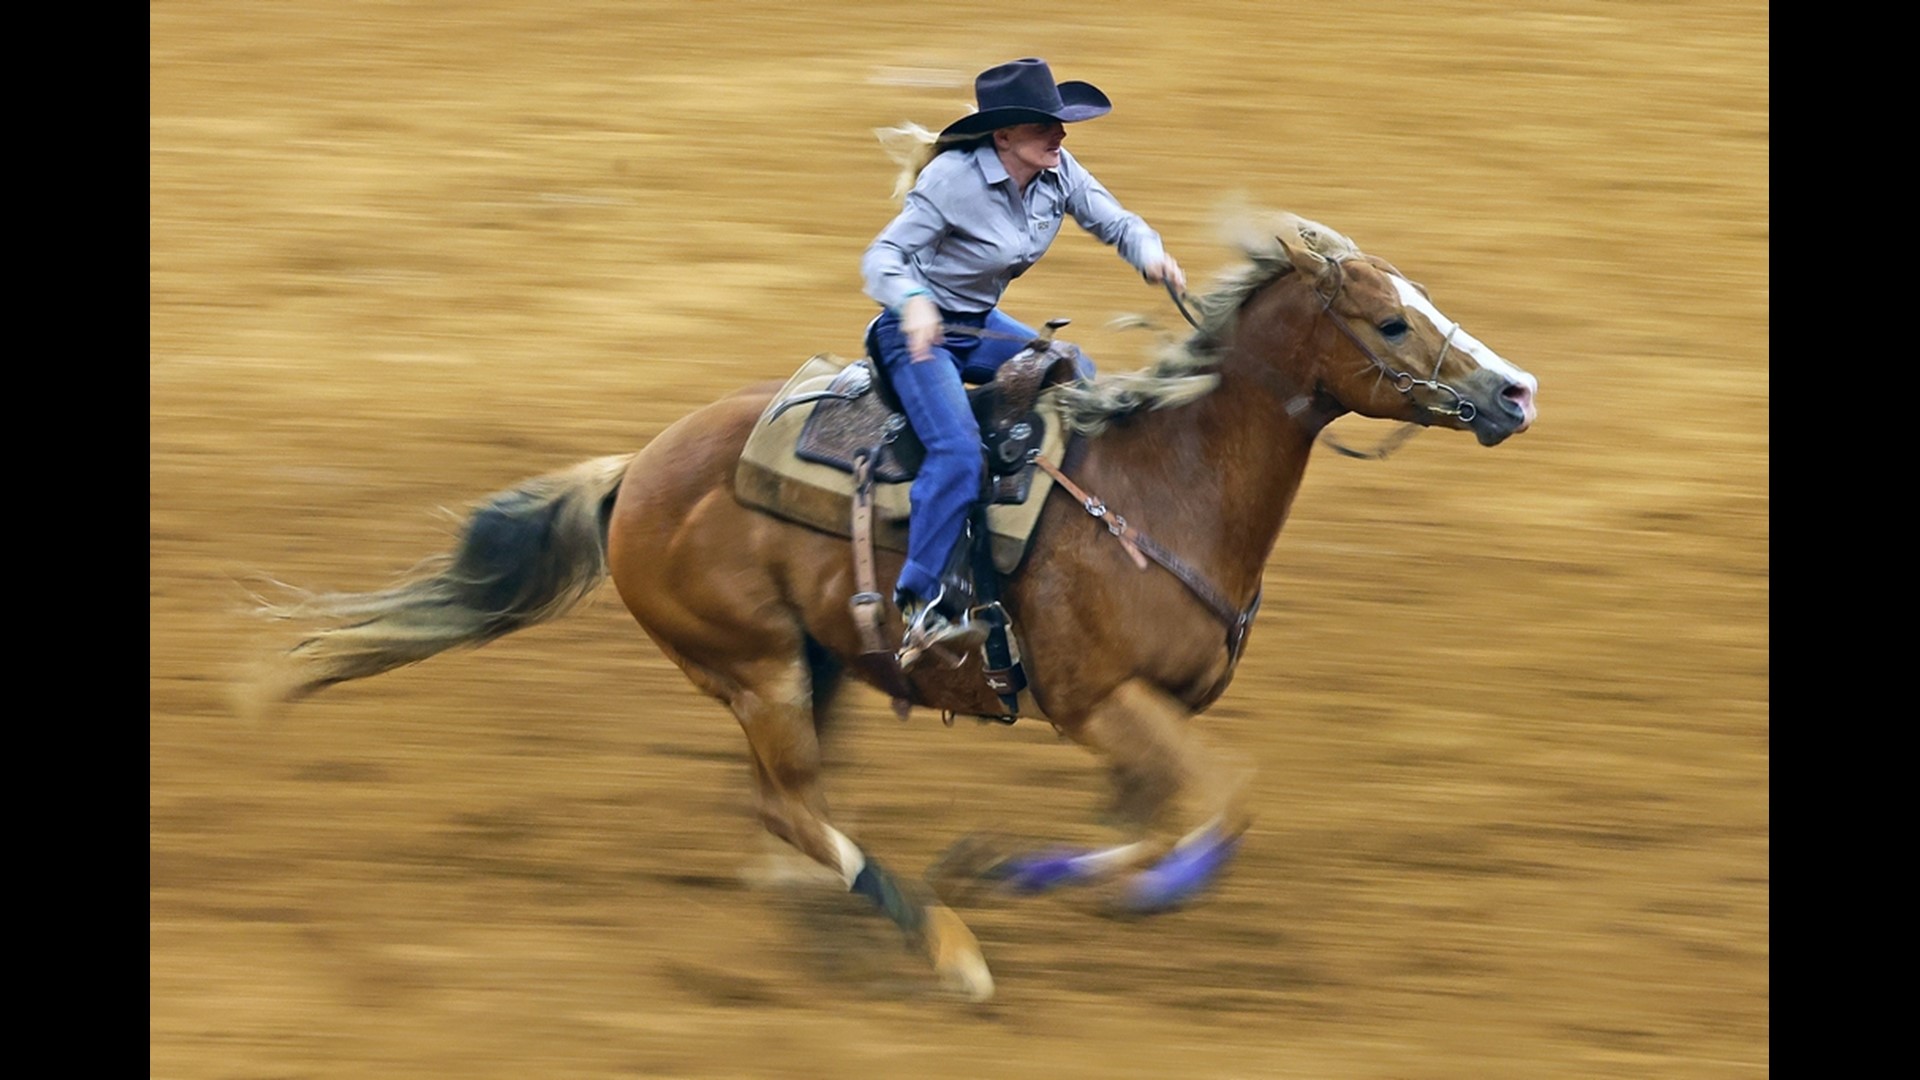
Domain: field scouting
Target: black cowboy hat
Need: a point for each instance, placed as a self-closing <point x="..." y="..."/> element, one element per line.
<point x="1023" y="92"/>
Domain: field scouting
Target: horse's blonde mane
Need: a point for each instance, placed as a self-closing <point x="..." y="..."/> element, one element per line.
<point x="1182" y="373"/>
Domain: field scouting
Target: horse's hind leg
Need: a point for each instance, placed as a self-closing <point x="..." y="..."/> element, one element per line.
<point x="775" y="710"/>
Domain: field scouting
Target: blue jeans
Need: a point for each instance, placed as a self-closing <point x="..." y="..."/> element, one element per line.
<point x="933" y="393"/>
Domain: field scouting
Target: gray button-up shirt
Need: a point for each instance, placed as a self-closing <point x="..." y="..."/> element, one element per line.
<point x="967" y="230"/>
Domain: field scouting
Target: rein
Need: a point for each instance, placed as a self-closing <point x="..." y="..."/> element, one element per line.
<point x="1180" y="302"/>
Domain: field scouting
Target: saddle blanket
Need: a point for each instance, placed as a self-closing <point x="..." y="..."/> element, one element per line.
<point x="772" y="477"/>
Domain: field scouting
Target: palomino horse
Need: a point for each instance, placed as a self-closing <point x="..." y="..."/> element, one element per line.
<point x="1203" y="452"/>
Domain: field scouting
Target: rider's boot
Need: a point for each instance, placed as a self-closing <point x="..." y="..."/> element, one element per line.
<point x="944" y="622"/>
<point x="935" y="626"/>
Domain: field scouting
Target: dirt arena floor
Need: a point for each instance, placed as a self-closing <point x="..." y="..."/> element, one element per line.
<point x="1509" y="707"/>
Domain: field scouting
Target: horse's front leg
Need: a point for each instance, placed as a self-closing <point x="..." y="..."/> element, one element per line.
<point x="1186" y="808"/>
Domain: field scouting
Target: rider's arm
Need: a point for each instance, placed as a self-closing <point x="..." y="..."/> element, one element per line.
<point x="1098" y="212"/>
<point x="887" y="265"/>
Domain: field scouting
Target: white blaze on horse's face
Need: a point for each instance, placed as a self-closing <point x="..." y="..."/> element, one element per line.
<point x="1415" y="300"/>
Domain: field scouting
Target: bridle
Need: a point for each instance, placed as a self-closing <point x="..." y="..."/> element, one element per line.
<point x="1403" y="381"/>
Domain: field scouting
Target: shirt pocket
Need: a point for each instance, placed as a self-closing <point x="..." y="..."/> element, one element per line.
<point x="1045" y="210"/>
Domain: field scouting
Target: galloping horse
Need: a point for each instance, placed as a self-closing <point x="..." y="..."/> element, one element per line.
<point x="1202" y="453"/>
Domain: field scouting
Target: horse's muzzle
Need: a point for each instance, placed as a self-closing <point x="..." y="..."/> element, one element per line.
<point x="1503" y="406"/>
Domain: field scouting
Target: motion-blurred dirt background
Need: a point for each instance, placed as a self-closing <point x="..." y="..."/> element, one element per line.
<point x="1509" y="707"/>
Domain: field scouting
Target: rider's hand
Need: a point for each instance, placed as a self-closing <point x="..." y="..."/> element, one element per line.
<point x="920" y="323"/>
<point x="1166" y="270"/>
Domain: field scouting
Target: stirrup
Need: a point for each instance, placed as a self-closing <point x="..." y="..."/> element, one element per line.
<point x="930" y="630"/>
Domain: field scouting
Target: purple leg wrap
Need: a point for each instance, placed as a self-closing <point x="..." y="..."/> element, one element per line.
<point x="1039" y="871"/>
<point x="1180" y="876"/>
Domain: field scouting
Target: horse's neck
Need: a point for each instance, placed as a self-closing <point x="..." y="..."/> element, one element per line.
<point x="1267" y="369"/>
<point x="1216" y="478"/>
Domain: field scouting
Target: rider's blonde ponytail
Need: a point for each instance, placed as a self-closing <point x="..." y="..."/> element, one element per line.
<point x="912" y="147"/>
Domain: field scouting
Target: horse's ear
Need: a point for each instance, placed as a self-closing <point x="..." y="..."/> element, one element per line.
<point x="1302" y="258"/>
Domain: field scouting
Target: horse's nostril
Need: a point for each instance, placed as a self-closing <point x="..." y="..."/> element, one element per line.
<point x="1519" y="396"/>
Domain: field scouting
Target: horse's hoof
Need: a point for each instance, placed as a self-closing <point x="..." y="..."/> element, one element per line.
<point x="955" y="953"/>
<point x="958" y="875"/>
<point x="1178" y="878"/>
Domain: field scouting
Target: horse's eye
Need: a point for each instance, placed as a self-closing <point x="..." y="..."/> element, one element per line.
<point x="1394" y="328"/>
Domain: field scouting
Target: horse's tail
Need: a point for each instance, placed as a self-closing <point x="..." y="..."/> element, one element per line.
<point x="528" y="555"/>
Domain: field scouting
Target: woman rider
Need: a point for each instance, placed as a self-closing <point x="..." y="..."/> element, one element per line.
<point x="987" y="196"/>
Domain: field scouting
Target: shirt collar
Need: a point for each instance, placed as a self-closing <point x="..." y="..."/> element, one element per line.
<point x="991" y="167"/>
<point x="993" y="170"/>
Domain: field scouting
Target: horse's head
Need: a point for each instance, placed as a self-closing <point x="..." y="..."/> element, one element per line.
<point x="1397" y="357"/>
